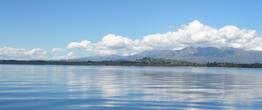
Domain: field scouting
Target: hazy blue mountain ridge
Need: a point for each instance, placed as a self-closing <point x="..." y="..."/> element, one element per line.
<point x="193" y="54"/>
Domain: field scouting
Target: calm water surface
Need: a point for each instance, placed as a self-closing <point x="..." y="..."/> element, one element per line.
<point x="106" y="87"/>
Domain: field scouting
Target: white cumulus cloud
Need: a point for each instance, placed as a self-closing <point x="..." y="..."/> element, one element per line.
<point x="105" y="52"/>
<point x="57" y="49"/>
<point x="107" y="46"/>
<point x="195" y="34"/>
<point x="21" y="53"/>
<point x="70" y="55"/>
<point x="45" y="52"/>
<point x="133" y="53"/>
<point x="85" y="44"/>
<point x="56" y="56"/>
<point x="125" y="54"/>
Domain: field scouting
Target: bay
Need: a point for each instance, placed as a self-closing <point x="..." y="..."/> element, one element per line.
<point x="26" y="87"/>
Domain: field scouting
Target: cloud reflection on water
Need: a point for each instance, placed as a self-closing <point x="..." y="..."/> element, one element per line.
<point x="176" y="84"/>
<point x="142" y="87"/>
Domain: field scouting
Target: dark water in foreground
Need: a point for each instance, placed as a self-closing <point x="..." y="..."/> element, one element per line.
<point x="106" y="87"/>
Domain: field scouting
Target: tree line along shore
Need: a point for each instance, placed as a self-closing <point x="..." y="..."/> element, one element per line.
<point x="146" y="61"/>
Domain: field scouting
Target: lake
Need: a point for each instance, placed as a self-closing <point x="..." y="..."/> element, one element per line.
<point x="25" y="87"/>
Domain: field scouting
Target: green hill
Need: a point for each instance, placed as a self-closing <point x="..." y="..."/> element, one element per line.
<point x="149" y="60"/>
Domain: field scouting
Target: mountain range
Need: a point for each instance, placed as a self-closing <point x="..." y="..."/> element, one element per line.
<point x="193" y="54"/>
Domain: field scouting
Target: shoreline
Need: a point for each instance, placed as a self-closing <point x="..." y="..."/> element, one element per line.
<point x="144" y="62"/>
<point x="122" y="65"/>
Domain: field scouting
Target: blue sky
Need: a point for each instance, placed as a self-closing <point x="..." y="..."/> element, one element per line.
<point x="47" y="24"/>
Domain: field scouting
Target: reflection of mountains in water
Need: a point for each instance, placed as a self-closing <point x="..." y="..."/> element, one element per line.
<point x="179" y="84"/>
<point x="200" y="55"/>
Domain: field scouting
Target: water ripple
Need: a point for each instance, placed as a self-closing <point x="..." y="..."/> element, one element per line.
<point x="106" y="87"/>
